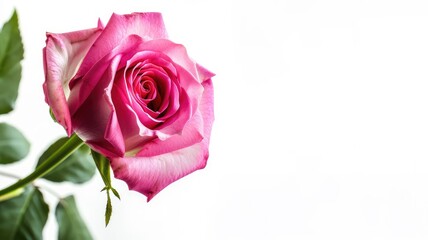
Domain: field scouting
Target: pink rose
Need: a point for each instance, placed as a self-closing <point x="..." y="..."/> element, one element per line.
<point x="134" y="96"/>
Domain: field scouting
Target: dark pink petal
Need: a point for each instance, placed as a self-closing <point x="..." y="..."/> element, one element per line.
<point x="149" y="175"/>
<point x="61" y="56"/>
<point x="145" y="25"/>
<point x="95" y="121"/>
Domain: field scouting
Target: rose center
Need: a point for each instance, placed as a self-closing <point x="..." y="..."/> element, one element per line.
<point x="147" y="91"/>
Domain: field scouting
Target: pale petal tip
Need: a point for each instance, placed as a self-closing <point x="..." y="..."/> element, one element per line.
<point x="204" y="74"/>
<point x="100" y="24"/>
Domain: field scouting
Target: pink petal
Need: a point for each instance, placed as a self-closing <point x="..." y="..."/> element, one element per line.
<point x="61" y="56"/>
<point x="176" y="52"/>
<point x="203" y="73"/>
<point x="145" y="25"/>
<point x="207" y="108"/>
<point x="149" y="175"/>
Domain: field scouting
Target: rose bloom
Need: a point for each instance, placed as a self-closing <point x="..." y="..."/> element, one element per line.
<point x="134" y="96"/>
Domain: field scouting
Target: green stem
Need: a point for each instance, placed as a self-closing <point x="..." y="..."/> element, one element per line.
<point x="72" y="144"/>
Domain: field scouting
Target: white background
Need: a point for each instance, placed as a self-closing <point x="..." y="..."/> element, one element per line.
<point x="321" y="127"/>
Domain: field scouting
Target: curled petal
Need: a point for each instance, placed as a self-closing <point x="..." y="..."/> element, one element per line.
<point x="61" y="57"/>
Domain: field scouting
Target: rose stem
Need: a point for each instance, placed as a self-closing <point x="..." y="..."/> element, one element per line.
<point x="72" y="144"/>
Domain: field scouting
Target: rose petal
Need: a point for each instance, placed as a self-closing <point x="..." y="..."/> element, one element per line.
<point x="61" y="57"/>
<point x="207" y="108"/>
<point x="149" y="175"/>
<point x="190" y="135"/>
<point x="145" y="25"/>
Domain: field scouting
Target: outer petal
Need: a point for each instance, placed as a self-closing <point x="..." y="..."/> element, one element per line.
<point x="152" y="174"/>
<point x="62" y="56"/>
<point x="203" y="73"/>
<point x="149" y="175"/>
<point x="145" y="25"/>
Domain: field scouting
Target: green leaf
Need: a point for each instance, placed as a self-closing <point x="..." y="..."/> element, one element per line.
<point x="13" y="145"/>
<point x="77" y="168"/>
<point x="109" y="209"/>
<point x="70" y="223"/>
<point x="23" y="217"/>
<point x="116" y="193"/>
<point x="11" y="54"/>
